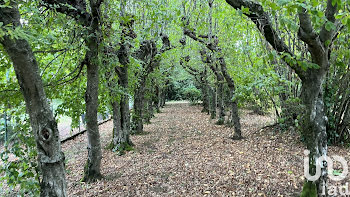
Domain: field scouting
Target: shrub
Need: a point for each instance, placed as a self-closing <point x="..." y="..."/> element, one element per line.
<point x="192" y="94"/>
<point x="21" y="170"/>
<point x="290" y="114"/>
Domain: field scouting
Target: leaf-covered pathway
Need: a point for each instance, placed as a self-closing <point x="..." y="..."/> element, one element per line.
<point x="183" y="153"/>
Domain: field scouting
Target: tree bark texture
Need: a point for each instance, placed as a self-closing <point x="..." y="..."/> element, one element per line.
<point x="44" y="126"/>
<point x="139" y="98"/>
<point x="92" y="21"/>
<point x="92" y="170"/>
<point x="234" y="119"/>
<point x="205" y="89"/>
<point x="124" y="107"/>
<point x="212" y="106"/>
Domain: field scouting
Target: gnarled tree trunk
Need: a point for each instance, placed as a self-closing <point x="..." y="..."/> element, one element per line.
<point x="147" y="54"/>
<point x="44" y="126"/>
<point x="122" y="138"/>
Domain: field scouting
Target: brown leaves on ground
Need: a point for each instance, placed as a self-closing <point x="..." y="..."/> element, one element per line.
<point x="183" y="153"/>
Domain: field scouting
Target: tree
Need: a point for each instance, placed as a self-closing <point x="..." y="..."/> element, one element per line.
<point x="92" y="22"/>
<point x="44" y="126"/>
<point x="121" y="112"/>
<point x="312" y="77"/>
<point x="150" y="57"/>
<point x="218" y="67"/>
<point x="201" y="77"/>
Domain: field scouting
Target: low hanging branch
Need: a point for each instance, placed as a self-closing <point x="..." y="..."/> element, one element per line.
<point x="306" y="33"/>
<point x="79" y="68"/>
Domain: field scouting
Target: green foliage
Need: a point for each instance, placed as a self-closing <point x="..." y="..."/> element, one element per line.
<point x="122" y="148"/>
<point x="337" y="92"/>
<point x="180" y="81"/>
<point x="309" y="189"/>
<point x="291" y="112"/>
<point x="192" y="94"/>
<point x="19" y="161"/>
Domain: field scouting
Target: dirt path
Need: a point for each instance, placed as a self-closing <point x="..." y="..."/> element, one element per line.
<point x="183" y="153"/>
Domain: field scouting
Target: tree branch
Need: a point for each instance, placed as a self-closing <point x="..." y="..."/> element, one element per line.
<point x="80" y="67"/>
<point x="73" y="8"/>
<point x="306" y="32"/>
<point x="330" y="12"/>
<point x="262" y="20"/>
<point x="50" y="51"/>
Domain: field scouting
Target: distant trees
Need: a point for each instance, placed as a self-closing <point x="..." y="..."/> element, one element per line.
<point x="211" y="54"/>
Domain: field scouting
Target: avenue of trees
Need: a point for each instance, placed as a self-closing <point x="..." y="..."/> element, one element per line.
<point x="123" y="59"/>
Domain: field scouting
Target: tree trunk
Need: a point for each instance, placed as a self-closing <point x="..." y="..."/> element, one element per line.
<point x="205" y="94"/>
<point x="121" y="119"/>
<point x="205" y="98"/>
<point x="117" y="129"/>
<point x="122" y="140"/>
<point x="138" y="108"/>
<point x="219" y="92"/>
<point x="50" y="157"/>
<point x="121" y="115"/>
<point x="235" y="120"/>
<point x="157" y="99"/>
<point x="212" y="106"/>
<point x="148" y="111"/>
<point x="220" y="102"/>
<point x="314" y="125"/>
<point x="92" y="168"/>
<point x="124" y="106"/>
